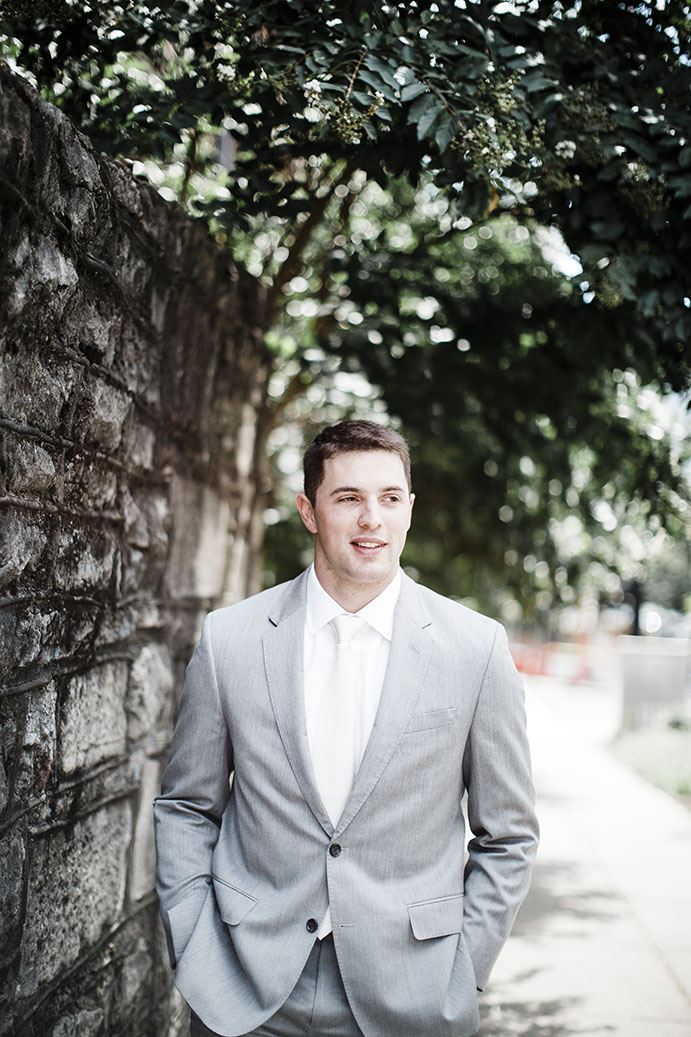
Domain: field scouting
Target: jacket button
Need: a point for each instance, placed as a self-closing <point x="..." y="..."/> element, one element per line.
<point x="335" y="849"/>
<point x="311" y="925"/>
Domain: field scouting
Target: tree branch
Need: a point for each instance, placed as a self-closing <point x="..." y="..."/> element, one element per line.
<point x="292" y="263"/>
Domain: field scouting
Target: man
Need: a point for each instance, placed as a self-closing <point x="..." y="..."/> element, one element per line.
<point x="323" y="891"/>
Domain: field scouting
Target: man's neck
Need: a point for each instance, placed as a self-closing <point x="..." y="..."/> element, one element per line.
<point x="353" y="597"/>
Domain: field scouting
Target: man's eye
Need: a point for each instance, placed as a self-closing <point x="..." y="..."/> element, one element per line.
<point x="393" y="498"/>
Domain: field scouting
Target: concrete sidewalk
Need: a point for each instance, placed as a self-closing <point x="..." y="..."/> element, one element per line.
<point x="602" y="945"/>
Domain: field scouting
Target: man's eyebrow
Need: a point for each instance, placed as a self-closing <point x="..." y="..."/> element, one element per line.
<point x="356" y="489"/>
<point x="345" y="489"/>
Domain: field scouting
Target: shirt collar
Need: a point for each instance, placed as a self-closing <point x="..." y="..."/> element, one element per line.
<point x="379" y="613"/>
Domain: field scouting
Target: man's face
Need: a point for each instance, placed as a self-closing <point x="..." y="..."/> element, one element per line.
<point x="359" y="519"/>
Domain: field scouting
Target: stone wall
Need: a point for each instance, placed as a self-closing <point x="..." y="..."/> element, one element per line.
<point x="131" y="380"/>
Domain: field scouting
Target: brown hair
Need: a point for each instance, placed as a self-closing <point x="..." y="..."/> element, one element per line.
<point x="348" y="437"/>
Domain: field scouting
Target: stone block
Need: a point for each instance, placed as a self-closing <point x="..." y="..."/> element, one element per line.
<point x="101" y="414"/>
<point x="18" y="295"/>
<point x="135" y="972"/>
<point x="126" y="190"/>
<point x="96" y="329"/>
<point x="11" y="708"/>
<point x="53" y="269"/>
<point x="38" y="746"/>
<point x="36" y="392"/>
<point x="152" y="522"/>
<point x="199" y="549"/>
<point x="136" y="531"/>
<point x="32" y="469"/>
<point x="84" y="1023"/>
<point x="12" y="863"/>
<point x="139" y="441"/>
<point x="4" y="786"/>
<point x="84" y="559"/>
<point x="89" y="483"/>
<point x="150" y="690"/>
<point x="93" y="723"/>
<point x="137" y="364"/>
<point x="76" y="887"/>
<point x="22" y="543"/>
<point x="82" y="179"/>
<point x="143" y="861"/>
<point x="17" y="257"/>
<point x="34" y="635"/>
<point x="142" y="573"/>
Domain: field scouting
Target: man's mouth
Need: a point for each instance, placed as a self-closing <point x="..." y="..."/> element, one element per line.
<point x="368" y="545"/>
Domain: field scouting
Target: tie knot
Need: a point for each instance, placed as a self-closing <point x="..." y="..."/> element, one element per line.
<point x="346" y="627"/>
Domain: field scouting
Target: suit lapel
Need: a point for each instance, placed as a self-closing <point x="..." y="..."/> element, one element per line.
<point x="411" y="648"/>
<point x="284" y="663"/>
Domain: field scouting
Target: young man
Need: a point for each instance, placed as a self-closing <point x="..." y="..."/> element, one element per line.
<point x="326" y="888"/>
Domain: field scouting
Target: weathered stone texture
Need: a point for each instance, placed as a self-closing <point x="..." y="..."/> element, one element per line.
<point x="131" y="378"/>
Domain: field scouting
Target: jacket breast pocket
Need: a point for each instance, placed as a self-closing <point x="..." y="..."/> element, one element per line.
<point x="429" y="721"/>
<point x="442" y="916"/>
<point x="233" y="904"/>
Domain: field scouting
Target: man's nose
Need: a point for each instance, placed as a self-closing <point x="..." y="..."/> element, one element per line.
<point x="370" y="515"/>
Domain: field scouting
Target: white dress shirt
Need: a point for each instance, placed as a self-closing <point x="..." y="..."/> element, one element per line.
<point x="370" y="647"/>
<point x="371" y="651"/>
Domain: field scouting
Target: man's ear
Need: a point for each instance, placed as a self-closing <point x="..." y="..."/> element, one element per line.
<point x="306" y="510"/>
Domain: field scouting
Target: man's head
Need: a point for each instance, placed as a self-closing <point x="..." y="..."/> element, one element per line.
<point x="350" y="437"/>
<point x="357" y="503"/>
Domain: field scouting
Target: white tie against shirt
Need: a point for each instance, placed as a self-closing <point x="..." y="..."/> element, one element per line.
<point x="335" y="748"/>
<point x="371" y="656"/>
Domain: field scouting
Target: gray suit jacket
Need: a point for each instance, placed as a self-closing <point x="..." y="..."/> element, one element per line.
<point x="244" y="866"/>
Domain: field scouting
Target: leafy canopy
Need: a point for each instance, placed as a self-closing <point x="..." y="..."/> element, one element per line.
<point x="388" y="170"/>
<point x="575" y="113"/>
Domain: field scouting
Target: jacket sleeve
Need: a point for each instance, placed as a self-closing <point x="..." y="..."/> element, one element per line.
<point x="501" y="811"/>
<point x="194" y="792"/>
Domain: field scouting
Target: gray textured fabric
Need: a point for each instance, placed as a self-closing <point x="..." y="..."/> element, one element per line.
<point x="317" y="1005"/>
<point x="242" y="874"/>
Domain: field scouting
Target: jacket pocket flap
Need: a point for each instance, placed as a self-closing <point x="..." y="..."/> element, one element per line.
<point x="429" y="721"/>
<point x="440" y="917"/>
<point x="233" y="904"/>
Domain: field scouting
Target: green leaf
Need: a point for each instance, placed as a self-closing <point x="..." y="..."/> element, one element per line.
<point x="647" y="303"/>
<point x="591" y="253"/>
<point x="640" y="146"/>
<point x="681" y="185"/>
<point x="445" y="132"/>
<point x="428" y="118"/>
<point x="378" y="84"/>
<point x="420" y="105"/>
<point x="535" y="81"/>
<point x="412" y="90"/>
<point x="385" y="69"/>
<point x="608" y="230"/>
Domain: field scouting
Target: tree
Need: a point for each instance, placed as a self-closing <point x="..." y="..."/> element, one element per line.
<point x="497" y="406"/>
<point x="570" y="116"/>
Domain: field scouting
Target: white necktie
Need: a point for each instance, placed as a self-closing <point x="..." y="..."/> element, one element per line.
<point x="336" y="731"/>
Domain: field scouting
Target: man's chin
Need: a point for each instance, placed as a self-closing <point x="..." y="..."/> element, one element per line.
<point x="369" y="574"/>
